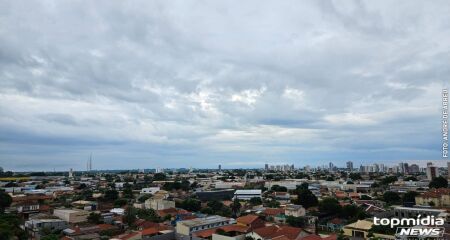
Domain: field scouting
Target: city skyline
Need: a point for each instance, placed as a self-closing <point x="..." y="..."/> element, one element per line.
<point x="241" y="84"/>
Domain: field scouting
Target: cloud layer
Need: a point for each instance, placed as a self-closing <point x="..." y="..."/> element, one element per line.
<point x="147" y="84"/>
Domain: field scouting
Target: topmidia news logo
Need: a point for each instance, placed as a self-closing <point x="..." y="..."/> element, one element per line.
<point x="414" y="228"/>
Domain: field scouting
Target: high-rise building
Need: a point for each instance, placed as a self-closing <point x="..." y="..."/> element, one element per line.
<point x="414" y="168"/>
<point x="71" y="173"/>
<point x="432" y="172"/>
<point x="307" y="168"/>
<point x="266" y="167"/>
<point x="331" y="167"/>
<point x="350" y="166"/>
<point x="220" y="167"/>
<point x="89" y="164"/>
<point x="382" y="168"/>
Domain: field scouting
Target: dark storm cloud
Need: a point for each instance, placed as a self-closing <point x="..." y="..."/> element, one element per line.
<point x="174" y="84"/>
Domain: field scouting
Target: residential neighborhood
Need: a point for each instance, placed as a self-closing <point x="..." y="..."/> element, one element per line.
<point x="257" y="204"/>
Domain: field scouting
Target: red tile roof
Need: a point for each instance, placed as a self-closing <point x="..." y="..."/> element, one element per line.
<point x="312" y="237"/>
<point x="153" y="230"/>
<point x="150" y="231"/>
<point x="229" y="228"/>
<point x="128" y="236"/>
<point x="277" y="231"/>
<point x="248" y="219"/>
<point x="273" y="211"/>
<point x="317" y="237"/>
<point x="143" y="224"/>
<point x="436" y="193"/>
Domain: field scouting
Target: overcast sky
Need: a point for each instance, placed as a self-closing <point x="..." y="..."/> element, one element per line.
<point x="145" y="84"/>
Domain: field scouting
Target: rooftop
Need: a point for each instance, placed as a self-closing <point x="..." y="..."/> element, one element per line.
<point x="203" y="221"/>
<point x="251" y="191"/>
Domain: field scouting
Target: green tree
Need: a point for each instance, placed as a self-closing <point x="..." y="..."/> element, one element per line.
<point x="305" y="197"/>
<point x="365" y="197"/>
<point x="148" y="214"/>
<point x="128" y="191"/>
<point x="215" y="205"/>
<point x="207" y="210"/>
<point x="438" y="182"/>
<point x="296" y="221"/>
<point x="130" y="216"/>
<point x="120" y="202"/>
<point x="235" y="207"/>
<point x="272" y="203"/>
<point x="355" y="176"/>
<point x="159" y="177"/>
<point x="255" y="201"/>
<point x="410" y="197"/>
<point x="388" y="180"/>
<point x="277" y="188"/>
<point x="391" y="197"/>
<point x="95" y="218"/>
<point x="191" y="204"/>
<point x="111" y="195"/>
<point x="329" y="206"/>
<point x="5" y="201"/>
<point x="352" y="213"/>
<point x="10" y="227"/>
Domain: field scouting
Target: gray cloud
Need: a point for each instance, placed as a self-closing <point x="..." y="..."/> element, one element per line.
<point x="196" y="83"/>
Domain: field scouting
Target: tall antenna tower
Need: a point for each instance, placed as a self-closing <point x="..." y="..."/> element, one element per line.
<point x="89" y="164"/>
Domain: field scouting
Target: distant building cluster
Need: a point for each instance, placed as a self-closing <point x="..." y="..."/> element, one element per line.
<point x="284" y="168"/>
<point x="278" y="202"/>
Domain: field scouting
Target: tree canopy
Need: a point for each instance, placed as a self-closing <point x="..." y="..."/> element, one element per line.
<point x="438" y="182"/>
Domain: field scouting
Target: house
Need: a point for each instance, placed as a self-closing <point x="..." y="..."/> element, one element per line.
<point x="24" y="207"/>
<point x="335" y="224"/>
<point x="413" y="212"/>
<point x="437" y="197"/>
<point x="150" y="190"/>
<point x="247" y="194"/>
<point x="358" y="229"/>
<point x="251" y="221"/>
<point x="85" y="205"/>
<point x="158" y="204"/>
<point x="172" y="212"/>
<point x="71" y="215"/>
<point x="229" y="232"/>
<point x="277" y="232"/>
<point x="87" y="230"/>
<point x="157" y="234"/>
<point x="272" y="212"/>
<point x="294" y="210"/>
<point x="35" y="226"/>
<point x="187" y="227"/>
<point x="282" y="197"/>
